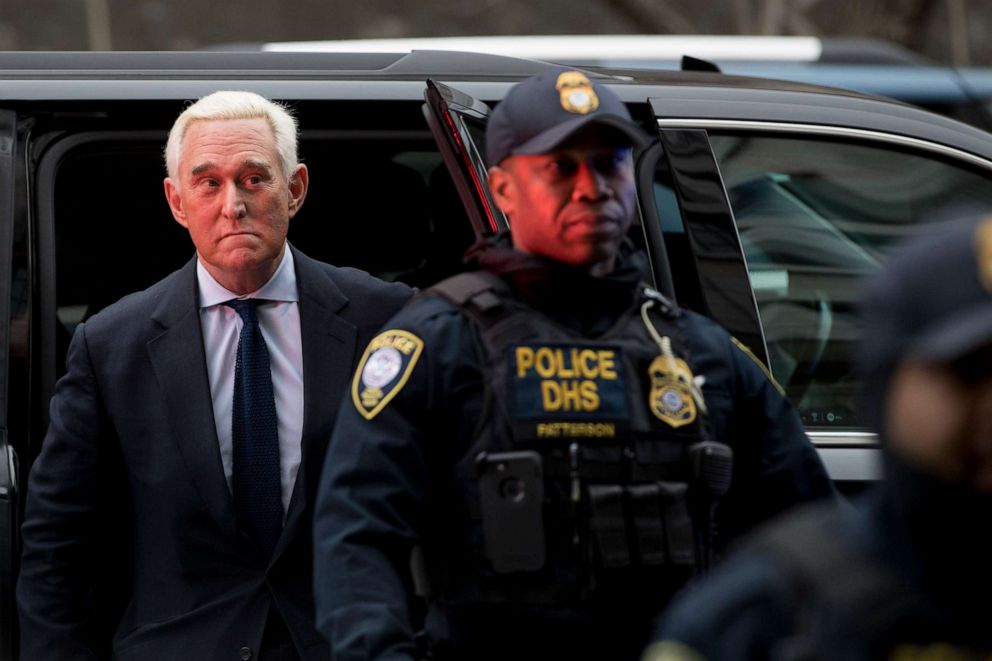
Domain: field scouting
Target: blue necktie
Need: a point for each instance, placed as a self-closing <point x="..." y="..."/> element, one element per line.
<point x="255" y="480"/>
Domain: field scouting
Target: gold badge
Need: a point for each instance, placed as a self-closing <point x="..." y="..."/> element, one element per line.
<point x="983" y="250"/>
<point x="671" y="398"/>
<point x="384" y="370"/>
<point x="577" y="94"/>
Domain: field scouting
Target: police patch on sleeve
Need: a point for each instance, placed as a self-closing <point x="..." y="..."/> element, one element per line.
<point x="384" y="369"/>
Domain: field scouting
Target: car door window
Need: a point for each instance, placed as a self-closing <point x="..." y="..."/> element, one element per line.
<point x="383" y="203"/>
<point x="683" y="197"/>
<point x="815" y="217"/>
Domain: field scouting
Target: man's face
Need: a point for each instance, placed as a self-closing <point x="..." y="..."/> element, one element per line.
<point x="231" y="193"/>
<point x="940" y="420"/>
<point x="573" y="205"/>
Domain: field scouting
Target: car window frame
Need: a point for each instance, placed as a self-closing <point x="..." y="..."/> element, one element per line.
<point x="722" y="283"/>
<point x="9" y="497"/>
<point x="47" y="168"/>
<point x="446" y="110"/>
<point x="842" y="446"/>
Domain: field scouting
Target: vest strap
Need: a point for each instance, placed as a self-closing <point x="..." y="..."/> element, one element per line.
<point x="476" y="291"/>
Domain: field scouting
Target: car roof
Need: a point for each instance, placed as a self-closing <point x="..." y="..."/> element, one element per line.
<point x="101" y="77"/>
<point x="20" y="70"/>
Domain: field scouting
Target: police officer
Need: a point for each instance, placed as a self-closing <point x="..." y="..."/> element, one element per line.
<point x="546" y="437"/>
<point x="906" y="574"/>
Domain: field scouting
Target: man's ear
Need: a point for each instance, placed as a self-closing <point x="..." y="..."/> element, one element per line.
<point x="175" y="202"/>
<point x="298" y="185"/>
<point x="502" y="187"/>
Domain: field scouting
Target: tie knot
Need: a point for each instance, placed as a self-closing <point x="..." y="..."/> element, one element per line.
<point x="245" y="309"/>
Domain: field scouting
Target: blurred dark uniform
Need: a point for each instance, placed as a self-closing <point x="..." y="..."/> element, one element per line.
<point x="410" y="475"/>
<point x="906" y="573"/>
<point x="538" y="451"/>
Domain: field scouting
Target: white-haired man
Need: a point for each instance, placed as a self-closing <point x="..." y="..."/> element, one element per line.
<point x="187" y="435"/>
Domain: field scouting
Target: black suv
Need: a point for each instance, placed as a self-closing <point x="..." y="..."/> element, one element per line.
<point x="762" y="204"/>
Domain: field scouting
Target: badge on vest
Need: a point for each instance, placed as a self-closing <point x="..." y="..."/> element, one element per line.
<point x="567" y="390"/>
<point x="670" y="399"/>
<point x="384" y="370"/>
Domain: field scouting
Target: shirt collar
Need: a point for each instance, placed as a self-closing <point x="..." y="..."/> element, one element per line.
<point x="280" y="287"/>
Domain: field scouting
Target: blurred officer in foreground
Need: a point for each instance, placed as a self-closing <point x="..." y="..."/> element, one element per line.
<point x="906" y="575"/>
<point x="546" y="437"/>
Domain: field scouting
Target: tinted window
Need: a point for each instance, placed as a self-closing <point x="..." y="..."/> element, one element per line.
<point x="815" y="217"/>
<point x="386" y="206"/>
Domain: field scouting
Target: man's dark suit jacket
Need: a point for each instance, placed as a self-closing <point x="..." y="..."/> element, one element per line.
<point x="129" y="492"/>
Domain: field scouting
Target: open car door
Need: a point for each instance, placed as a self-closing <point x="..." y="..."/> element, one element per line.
<point x="458" y="123"/>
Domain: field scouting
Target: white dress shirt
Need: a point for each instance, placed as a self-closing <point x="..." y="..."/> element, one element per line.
<point x="279" y="320"/>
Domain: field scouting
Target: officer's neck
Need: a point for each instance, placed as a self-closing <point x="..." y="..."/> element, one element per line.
<point x="598" y="269"/>
<point x="603" y="268"/>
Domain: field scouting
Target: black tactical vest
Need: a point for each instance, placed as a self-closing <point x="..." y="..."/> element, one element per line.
<point x="591" y="472"/>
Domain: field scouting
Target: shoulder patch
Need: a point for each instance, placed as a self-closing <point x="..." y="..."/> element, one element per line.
<point x="747" y="352"/>
<point x="384" y="369"/>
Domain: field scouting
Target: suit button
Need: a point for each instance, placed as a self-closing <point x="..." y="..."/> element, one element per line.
<point x="245" y="654"/>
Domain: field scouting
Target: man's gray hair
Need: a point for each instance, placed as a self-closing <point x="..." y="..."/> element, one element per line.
<point x="236" y="105"/>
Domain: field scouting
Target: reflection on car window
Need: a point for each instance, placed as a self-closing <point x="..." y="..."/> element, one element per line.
<point x="816" y="216"/>
<point x="678" y="252"/>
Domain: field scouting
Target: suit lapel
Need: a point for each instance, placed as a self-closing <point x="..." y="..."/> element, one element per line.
<point x="328" y="360"/>
<point x="180" y="365"/>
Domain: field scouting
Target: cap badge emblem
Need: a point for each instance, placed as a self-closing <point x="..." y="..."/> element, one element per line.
<point x="577" y="94"/>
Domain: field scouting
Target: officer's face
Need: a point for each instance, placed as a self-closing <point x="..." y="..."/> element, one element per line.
<point x="940" y="420"/>
<point x="573" y="205"/>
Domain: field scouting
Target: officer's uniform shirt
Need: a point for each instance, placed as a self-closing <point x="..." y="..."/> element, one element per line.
<point x="388" y="481"/>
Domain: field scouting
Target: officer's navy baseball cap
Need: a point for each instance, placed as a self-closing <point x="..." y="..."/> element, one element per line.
<point x="934" y="301"/>
<point x="539" y="113"/>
